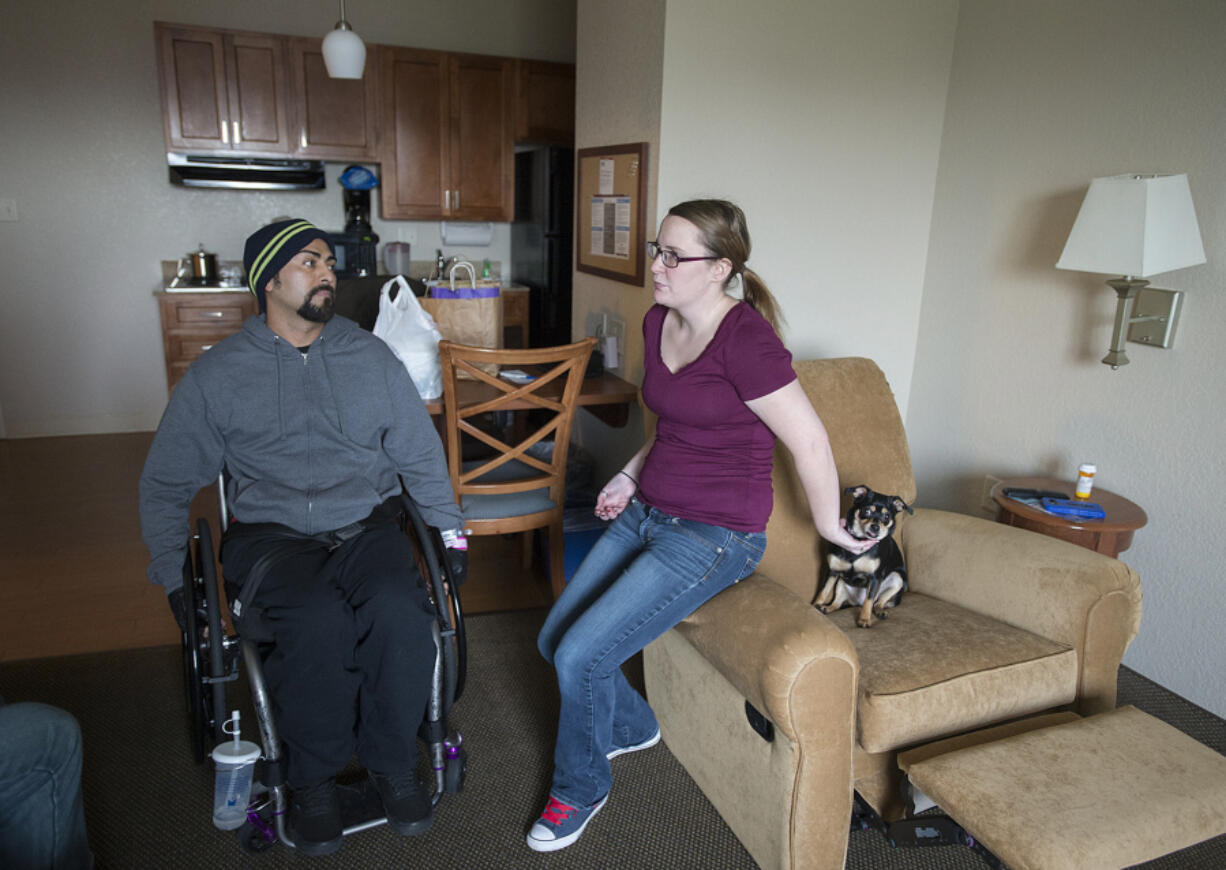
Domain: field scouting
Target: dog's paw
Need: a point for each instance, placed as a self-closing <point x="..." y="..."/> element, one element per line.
<point x="864" y="623"/>
<point x="822" y="608"/>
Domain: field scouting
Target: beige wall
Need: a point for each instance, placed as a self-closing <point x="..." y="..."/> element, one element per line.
<point x="620" y="51"/>
<point x="84" y="156"/>
<point x="1045" y="96"/>
<point x="822" y="120"/>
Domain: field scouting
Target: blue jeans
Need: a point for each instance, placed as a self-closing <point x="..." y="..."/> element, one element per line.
<point x="648" y="571"/>
<point x="42" y="820"/>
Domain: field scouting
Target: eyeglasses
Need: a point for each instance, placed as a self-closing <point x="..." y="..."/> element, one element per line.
<point x="670" y="258"/>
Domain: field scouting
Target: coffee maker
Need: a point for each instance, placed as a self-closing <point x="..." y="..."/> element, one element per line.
<point x="356" y="248"/>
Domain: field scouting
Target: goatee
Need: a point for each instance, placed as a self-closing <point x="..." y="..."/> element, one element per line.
<point x="321" y="313"/>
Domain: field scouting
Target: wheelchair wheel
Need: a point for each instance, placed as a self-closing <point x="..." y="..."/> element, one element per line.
<point x="193" y="673"/>
<point x="254" y="839"/>
<point x="207" y="572"/>
<point x="455" y="770"/>
<point x="203" y="645"/>
<point x="445" y="594"/>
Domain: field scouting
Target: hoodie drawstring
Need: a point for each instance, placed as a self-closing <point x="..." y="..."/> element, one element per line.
<point x="336" y="403"/>
<point x="276" y="347"/>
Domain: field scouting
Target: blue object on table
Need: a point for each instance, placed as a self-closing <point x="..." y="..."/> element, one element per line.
<point x="1066" y="507"/>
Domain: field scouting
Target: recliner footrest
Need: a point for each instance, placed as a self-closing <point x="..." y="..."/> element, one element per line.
<point x="1107" y="791"/>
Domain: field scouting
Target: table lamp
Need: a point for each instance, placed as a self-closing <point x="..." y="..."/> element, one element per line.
<point x="1136" y="226"/>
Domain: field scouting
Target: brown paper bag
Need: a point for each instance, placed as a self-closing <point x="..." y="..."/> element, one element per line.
<point x="475" y="322"/>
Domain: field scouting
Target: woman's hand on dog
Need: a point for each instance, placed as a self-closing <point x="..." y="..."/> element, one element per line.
<point x="844" y="539"/>
<point x="615" y="496"/>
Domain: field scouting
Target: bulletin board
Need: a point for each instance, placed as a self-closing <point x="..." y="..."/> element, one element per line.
<point x="611" y="211"/>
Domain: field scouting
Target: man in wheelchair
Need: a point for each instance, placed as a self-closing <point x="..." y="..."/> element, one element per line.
<point x="316" y="424"/>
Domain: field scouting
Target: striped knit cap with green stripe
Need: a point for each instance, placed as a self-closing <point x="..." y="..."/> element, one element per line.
<point x="269" y="248"/>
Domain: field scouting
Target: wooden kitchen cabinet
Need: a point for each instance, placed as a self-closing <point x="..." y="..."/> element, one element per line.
<point x="194" y="322"/>
<point x="223" y="92"/>
<point x="332" y="119"/>
<point x="447" y="136"/>
<point x="544" y="102"/>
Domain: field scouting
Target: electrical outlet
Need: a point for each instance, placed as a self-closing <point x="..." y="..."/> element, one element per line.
<point x="986" y="502"/>
<point x="8" y="209"/>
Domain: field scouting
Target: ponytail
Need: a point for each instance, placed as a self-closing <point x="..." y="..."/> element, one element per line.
<point x="760" y="299"/>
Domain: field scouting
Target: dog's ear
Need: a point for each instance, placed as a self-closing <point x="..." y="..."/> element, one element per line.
<point x="900" y="505"/>
<point x="856" y="492"/>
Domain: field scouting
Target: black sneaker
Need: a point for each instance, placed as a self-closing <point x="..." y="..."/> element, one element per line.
<point x="408" y="807"/>
<point x="315" y="818"/>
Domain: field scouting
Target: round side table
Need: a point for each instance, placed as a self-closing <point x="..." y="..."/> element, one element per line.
<point x="1110" y="535"/>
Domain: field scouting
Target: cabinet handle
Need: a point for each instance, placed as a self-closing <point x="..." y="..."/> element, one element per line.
<point x="237" y="137"/>
<point x="204" y="347"/>
<point x="457" y="200"/>
<point x="225" y="133"/>
<point x="214" y="313"/>
<point x="446" y="200"/>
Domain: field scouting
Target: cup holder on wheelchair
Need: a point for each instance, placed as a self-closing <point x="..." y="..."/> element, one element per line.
<point x="211" y="659"/>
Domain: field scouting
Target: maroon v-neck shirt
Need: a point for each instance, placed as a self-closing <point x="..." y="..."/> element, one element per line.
<point x="711" y="460"/>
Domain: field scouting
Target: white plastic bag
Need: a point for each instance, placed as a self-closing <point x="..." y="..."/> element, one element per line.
<point x="412" y="335"/>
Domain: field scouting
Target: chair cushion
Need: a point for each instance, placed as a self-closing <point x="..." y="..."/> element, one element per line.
<point x="513" y="504"/>
<point x="933" y="669"/>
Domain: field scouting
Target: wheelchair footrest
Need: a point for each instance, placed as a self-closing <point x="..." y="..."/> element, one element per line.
<point x="360" y="803"/>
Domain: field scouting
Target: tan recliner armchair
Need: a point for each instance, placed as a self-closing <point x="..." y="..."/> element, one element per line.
<point x="998" y="624"/>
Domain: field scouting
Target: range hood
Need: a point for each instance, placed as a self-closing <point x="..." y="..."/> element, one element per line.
<point x="245" y="173"/>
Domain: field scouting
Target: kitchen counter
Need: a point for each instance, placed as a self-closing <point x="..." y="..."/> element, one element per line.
<point x="174" y="282"/>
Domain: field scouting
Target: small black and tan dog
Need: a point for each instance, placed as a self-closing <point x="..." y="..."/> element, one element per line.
<point x="875" y="579"/>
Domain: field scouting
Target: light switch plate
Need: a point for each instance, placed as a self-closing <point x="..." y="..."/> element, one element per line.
<point x="8" y="209"/>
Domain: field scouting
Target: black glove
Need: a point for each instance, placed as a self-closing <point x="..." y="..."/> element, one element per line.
<point x="457" y="554"/>
<point x="457" y="565"/>
<point x="178" y="608"/>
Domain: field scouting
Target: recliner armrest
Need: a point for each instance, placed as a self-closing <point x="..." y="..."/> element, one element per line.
<point x="1047" y="586"/>
<point x="765" y="640"/>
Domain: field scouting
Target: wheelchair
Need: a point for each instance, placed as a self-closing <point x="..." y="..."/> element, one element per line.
<point x="212" y="657"/>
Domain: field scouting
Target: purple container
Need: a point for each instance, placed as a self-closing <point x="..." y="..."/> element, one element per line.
<point x="441" y="292"/>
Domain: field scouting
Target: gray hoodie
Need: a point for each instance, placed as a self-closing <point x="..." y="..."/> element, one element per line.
<point x="313" y="443"/>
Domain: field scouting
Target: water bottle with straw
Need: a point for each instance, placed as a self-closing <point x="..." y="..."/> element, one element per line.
<point x="235" y="763"/>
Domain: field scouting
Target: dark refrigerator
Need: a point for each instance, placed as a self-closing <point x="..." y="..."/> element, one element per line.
<point x="542" y="239"/>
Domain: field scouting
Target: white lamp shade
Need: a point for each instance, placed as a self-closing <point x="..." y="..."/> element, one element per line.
<point x="1135" y="226"/>
<point x="344" y="54"/>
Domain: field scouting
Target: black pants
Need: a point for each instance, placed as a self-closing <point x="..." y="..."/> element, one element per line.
<point x="351" y="652"/>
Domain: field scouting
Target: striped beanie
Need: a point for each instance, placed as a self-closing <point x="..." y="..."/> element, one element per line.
<point x="270" y="248"/>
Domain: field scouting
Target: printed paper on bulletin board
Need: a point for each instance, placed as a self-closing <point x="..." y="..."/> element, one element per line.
<point x="610" y="212"/>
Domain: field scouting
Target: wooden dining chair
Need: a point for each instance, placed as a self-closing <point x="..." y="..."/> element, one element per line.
<point x="511" y="489"/>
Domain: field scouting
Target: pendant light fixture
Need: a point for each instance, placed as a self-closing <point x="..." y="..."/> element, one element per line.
<point x="344" y="51"/>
